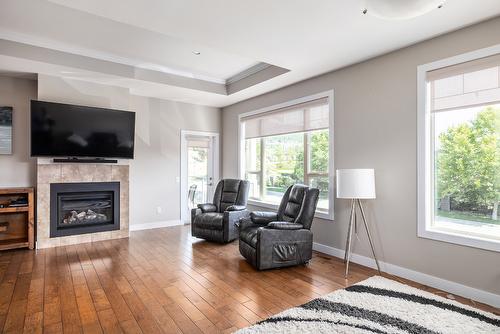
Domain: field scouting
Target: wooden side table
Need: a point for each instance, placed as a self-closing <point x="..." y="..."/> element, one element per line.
<point x="17" y="218"/>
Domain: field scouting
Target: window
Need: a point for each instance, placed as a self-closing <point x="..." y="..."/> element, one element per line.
<point x="285" y="145"/>
<point x="459" y="150"/>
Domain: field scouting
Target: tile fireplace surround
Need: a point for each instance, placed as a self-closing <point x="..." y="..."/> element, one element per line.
<point x="48" y="173"/>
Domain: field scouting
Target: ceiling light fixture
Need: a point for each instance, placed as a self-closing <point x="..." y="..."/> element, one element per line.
<point x="400" y="9"/>
<point x="197" y="53"/>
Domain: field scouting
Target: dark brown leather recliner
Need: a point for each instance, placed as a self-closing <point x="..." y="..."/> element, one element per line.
<point x="282" y="239"/>
<point x="216" y="221"/>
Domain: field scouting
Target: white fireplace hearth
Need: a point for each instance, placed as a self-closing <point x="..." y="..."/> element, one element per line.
<point x="51" y="173"/>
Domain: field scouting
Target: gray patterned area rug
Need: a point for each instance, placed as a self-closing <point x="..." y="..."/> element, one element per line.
<point x="379" y="305"/>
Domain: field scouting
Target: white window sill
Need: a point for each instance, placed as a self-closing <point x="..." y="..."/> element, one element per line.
<point x="272" y="206"/>
<point x="456" y="236"/>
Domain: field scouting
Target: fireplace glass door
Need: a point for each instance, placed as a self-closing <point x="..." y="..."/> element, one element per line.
<point x="85" y="209"/>
<point x="78" y="208"/>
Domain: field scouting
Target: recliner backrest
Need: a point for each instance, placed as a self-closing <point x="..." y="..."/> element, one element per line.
<point x="230" y="192"/>
<point x="298" y="205"/>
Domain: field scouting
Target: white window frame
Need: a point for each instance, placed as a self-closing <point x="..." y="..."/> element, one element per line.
<point x="331" y="171"/>
<point x="425" y="194"/>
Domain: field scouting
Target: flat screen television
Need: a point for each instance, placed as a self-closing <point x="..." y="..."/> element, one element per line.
<point x="65" y="130"/>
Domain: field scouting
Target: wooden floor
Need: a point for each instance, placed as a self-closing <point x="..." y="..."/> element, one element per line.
<point x="156" y="281"/>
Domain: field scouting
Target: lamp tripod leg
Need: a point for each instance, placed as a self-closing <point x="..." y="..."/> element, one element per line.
<point x="349" y="239"/>
<point x="369" y="235"/>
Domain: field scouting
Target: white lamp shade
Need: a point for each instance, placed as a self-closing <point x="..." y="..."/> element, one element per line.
<point x="356" y="183"/>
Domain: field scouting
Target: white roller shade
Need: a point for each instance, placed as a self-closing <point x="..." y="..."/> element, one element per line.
<point x="198" y="141"/>
<point x="465" y="85"/>
<point x="302" y="117"/>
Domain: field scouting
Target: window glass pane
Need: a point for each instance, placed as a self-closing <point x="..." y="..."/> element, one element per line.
<point x="253" y="166"/>
<point x="467" y="170"/>
<point x="318" y="151"/>
<point x="321" y="182"/>
<point x="255" y="181"/>
<point x="284" y="164"/>
<point x="198" y="172"/>
<point x="252" y="154"/>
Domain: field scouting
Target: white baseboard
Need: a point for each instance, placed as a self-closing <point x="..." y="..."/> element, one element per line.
<point x="432" y="281"/>
<point x="148" y="226"/>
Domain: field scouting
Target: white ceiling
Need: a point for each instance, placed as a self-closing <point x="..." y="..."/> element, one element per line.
<point x="307" y="37"/>
<point x="50" y="25"/>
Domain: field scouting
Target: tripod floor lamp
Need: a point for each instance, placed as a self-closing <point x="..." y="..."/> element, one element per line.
<point x="356" y="185"/>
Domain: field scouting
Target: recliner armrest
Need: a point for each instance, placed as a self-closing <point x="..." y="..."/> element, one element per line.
<point x="269" y="236"/>
<point x="207" y="207"/>
<point x="195" y="212"/>
<point x="244" y="222"/>
<point x="233" y="218"/>
<point x="284" y="226"/>
<point x="236" y="208"/>
<point x="263" y="217"/>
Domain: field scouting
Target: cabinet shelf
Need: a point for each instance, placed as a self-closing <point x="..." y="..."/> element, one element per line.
<point x="14" y="243"/>
<point x="14" y="209"/>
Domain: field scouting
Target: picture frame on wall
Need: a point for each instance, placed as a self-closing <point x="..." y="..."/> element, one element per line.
<point x="6" y="130"/>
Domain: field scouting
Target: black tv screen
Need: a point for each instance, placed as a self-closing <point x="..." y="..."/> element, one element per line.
<point x="65" y="130"/>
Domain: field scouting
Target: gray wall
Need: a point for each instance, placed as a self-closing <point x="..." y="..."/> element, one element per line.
<point x="157" y="162"/>
<point x="375" y="127"/>
<point x="17" y="169"/>
<point x="154" y="171"/>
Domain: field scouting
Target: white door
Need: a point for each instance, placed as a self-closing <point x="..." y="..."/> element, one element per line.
<point x="199" y="169"/>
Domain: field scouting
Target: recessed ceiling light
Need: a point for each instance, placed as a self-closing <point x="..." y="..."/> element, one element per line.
<point x="197" y="53"/>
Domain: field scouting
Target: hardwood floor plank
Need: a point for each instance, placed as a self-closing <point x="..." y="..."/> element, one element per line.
<point x="108" y="321"/>
<point x="17" y="308"/>
<point x="51" y="299"/>
<point x="15" y="318"/>
<point x="69" y="308"/>
<point x="163" y="319"/>
<point x="99" y="297"/>
<point x="35" y="296"/>
<point x="181" y="319"/>
<point x="8" y="284"/>
<point x="86" y="309"/>
<point x="33" y="323"/>
<point x="143" y="317"/>
<point x="210" y="312"/>
<point x="2" y="321"/>
<point x="191" y="311"/>
<point x="131" y="327"/>
<point x="53" y="328"/>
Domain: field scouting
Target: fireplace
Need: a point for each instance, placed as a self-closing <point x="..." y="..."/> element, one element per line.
<point x="79" y="208"/>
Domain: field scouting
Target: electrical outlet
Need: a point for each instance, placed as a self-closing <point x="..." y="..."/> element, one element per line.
<point x="159" y="210"/>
